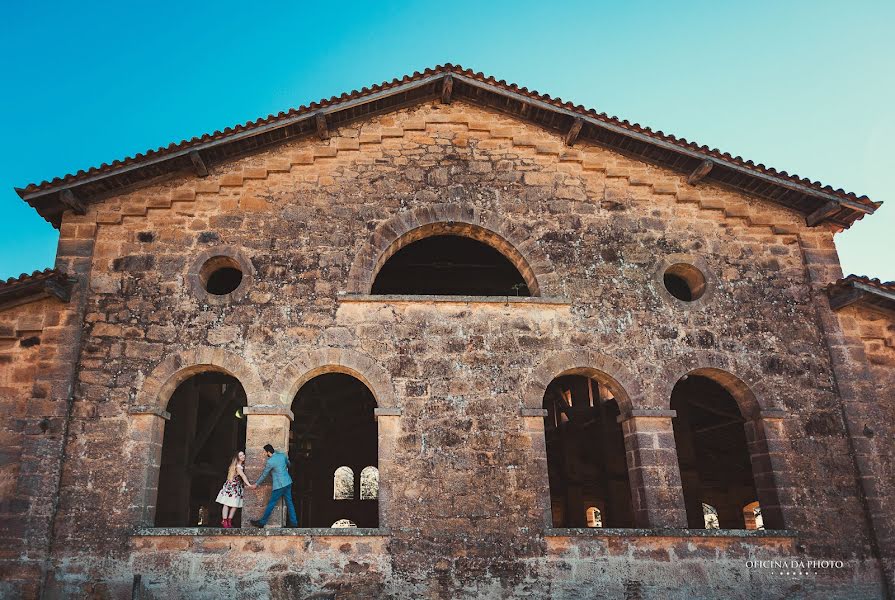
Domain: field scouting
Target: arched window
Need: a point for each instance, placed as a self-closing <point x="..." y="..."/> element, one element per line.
<point x="369" y="483"/>
<point x="343" y="523"/>
<point x="205" y="431"/>
<point x="710" y="517"/>
<point x="449" y="265"/>
<point x="715" y="465"/>
<point x="334" y="427"/>
<point x="343" y="484"/>
<point x="586" y="461"/>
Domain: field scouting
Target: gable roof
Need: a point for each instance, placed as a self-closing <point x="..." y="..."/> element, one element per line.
<point x="819" y="203"/>
<point x="859" y="288"/>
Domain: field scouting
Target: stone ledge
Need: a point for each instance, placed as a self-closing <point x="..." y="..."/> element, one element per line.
<point x="256" y="532"/>
<point x="533" y="412"/>
<point x="424" y="298"/>
<point x="266" y="409"/>
<point x="149" y="410"/>
<point x="387" y="412"/>
<point x="678" y="533"/>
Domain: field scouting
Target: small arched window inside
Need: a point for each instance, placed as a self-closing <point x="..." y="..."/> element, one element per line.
<point x="752" y="516"/>
<point x="343" y="484"/>
<point x="341" y="523"/>
<point x="449" y="265"/>
<point x="594" y="517"/>
<point x="369" y="483"/>
<point x="710" y="516"/>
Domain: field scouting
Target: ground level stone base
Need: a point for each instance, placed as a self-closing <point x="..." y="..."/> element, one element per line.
<point x="358" y="563"/>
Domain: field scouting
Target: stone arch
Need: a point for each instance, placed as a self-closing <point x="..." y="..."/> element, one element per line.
<point x="312" y="363"/>
<point x="624" y="386"/>
<point x="440" y="219"/>
<point x="176" y="368"/>
<point x="745" y="386"/>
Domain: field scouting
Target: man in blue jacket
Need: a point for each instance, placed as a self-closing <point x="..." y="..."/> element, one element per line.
<point x="278" y="466"/>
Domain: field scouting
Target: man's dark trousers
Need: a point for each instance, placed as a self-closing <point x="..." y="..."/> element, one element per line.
<point x="275" y="495"/>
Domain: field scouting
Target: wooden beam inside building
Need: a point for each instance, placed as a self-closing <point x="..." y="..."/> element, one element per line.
<point x="574" y="131"/>
<point x="68" y="198"/>
<point x="198" y="164"/>
<point x="700" y="172"/>
<point x="822" y="213"/>
<point x="447" y="89"/>
<point x="322" y="127"/>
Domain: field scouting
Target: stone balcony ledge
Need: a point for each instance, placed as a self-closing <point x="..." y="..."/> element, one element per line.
<point x="265" y="532"/>
<point x="676" y="533"/>
<point x="424" y="298"/>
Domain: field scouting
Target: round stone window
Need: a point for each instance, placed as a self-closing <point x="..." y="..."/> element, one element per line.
<point x="220" y="275"/>
<point x="684" y="282"/>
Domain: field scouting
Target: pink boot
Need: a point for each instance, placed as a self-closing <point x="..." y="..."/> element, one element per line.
<point x="225" y="523"/>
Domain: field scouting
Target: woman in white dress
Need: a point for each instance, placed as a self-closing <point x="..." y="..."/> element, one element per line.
<point x="230" y="495"/>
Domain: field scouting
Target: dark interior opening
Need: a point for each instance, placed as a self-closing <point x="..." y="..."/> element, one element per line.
<point x="586" y="461"/>
<point x="334" y="427"/>
<point x="685" y="282"/>
<point x="205" y="431"/>
<point x="712" y="452"/>
<point x="678" y="287"/>
<point x="223" y="281"/>
<point x="449" y="265"/>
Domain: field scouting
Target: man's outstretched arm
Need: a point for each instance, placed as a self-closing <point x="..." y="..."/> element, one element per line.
<point x="265" y="472"/>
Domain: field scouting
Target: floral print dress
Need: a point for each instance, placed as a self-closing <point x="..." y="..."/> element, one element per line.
<point x="231" y="493"/>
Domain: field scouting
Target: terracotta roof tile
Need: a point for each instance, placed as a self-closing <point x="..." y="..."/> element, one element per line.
<point x="26" y="278"/>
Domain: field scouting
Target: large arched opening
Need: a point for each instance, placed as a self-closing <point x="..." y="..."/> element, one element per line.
<point x="205" y="430"/>
<point x="449" y="265"/>
<point x="713" y="452"/>
<point x="333" y="450"/>
<point x="586" y="460"/>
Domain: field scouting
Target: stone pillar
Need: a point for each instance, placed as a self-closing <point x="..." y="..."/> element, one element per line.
<point x="147" y="432"/>
<point x="388" y="421"/>
<point x="764" y="438"/>
<point x="656" y="491"/>
<point x="533" y="421"/>
<point x="264" y="425"/>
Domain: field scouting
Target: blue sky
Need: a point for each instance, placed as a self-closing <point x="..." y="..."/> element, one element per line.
<point x="806" y="87"/>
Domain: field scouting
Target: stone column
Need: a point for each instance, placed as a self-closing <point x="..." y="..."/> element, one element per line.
<point x="656" y="491"/>
<point x="147" y="432"/>
<point x="388" y="422"/>
<point x="264" y="425"/>
<point x="764" y="438"/>
<point x="533" y="420"/>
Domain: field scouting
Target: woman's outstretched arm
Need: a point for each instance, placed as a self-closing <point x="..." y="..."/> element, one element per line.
<point x="242" y="475"/>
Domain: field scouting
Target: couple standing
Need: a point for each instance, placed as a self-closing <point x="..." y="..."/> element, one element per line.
<point x="277" y="467"/>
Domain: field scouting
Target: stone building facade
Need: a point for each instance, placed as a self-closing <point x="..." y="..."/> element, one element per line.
<point x="673" y="346"/>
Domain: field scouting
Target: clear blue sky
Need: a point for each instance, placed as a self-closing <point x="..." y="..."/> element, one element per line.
<point x="804" y="86"/>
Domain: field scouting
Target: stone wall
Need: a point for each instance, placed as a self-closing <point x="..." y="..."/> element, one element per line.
<point x="870" y="338"/>
<point x="24" y="347"/>
<point x="464" y="504"/>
